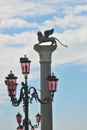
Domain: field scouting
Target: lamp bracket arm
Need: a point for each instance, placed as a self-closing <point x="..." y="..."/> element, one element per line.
<point x="34" y="126"/>
<point x="35" y="96"/>
<point x="15" y="101"/>
<point x="47" y="100"/>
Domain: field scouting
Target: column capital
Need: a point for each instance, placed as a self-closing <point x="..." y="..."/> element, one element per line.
<point x="45" y="51"/>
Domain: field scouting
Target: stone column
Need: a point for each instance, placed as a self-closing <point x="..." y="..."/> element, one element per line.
<point x="45" y="69"/>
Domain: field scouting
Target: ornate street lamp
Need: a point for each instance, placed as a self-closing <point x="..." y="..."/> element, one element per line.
<point x="11" y="84"/>
<point x="38" y="118"/>
<point x="26" y="95"/>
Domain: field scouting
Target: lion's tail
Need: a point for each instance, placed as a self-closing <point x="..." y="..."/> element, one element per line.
<point x="61" y="43"/>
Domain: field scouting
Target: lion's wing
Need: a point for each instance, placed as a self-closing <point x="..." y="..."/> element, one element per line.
<point x="48" y="32"/>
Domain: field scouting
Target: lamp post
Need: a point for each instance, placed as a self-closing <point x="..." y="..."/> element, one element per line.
<point x="26" y="95"/>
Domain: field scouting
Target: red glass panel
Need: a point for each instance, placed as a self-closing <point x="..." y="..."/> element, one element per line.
<point x="32" y="128"/>
<point x="52" y="83"/>
<point x="11" y="87"/>
<point x="52" y="86"/>
<point x="20" y="128"/>
<point x="11" y="93"/>
<point x="25" y="68"/>
<point x="11" y="84"/>
<point x="25" y="65"/>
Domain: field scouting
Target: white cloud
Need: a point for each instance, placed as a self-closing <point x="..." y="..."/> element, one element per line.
<point x="16" y="23"/>
<point x="24" y="9"/>
<point x="80" y="9"/>
<point x="67" y="22"/>
<point x="75" y="10"/>
<point x="76" y="52"/>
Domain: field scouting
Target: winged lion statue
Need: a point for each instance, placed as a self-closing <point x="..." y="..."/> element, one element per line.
<point x="45" y="38"/>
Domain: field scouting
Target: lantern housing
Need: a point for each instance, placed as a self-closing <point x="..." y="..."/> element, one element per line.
<point x="20" y="128"/>
<point x="32" y="128"/>
<point x="19" y="118"/>
<point x="52" y="83"/>
<point x="38" y="118"/>
<point x="11" y="84"/>
<point x="25" y="65"/>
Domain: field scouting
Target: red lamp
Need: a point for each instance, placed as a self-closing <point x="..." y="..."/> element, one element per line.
<point x="32" y="128"/>
<point x="11" y="84"/>
<point x="20" y="128"/>
<point x="52" y="83"/>
<point x="19" y="118"/>
<point x="38" y="118"/>
<point x="25" y="65"/>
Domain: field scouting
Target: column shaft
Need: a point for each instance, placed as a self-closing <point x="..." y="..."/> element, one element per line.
<point x="45" y="69"/>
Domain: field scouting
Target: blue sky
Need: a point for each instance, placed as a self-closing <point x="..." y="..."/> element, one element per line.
<point x="20" y="20"/>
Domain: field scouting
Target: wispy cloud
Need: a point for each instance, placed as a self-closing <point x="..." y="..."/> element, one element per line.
<point x="16" y="23"/>
<point x="23" y="9"/>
